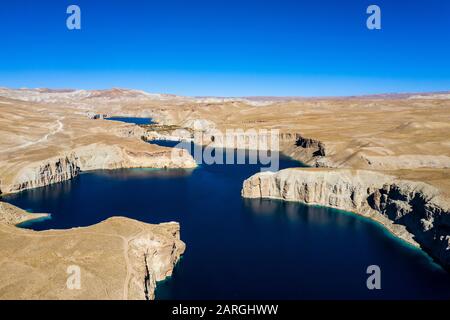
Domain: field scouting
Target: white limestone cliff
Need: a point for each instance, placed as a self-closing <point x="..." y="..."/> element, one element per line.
<point x="413" y="211"/>
<point x="92" y="157"/>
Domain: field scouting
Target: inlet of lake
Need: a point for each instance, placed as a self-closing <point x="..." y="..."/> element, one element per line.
<point x="240" y="248"/>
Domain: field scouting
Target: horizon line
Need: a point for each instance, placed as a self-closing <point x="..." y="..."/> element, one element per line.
<point x="379" y="94"/>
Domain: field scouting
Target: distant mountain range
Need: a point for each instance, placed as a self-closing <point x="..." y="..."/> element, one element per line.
<point x="115" y="94"/>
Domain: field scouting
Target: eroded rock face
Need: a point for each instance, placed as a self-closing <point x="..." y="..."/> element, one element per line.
<point x="118" y="258"/>
<point x="93" y="157"/>
<point x="41" y="144"/>
<point x="43" y="173"/>
<point x="414" y="211"/>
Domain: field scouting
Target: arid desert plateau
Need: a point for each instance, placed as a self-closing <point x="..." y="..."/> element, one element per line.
<point x="385" y="157"/>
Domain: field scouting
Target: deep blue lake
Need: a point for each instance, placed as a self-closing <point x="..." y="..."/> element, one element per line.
<point x="132" y="120"/>
<point x="240" y="248"/>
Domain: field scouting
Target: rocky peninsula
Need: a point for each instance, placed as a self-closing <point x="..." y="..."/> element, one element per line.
<point x="45" y="140"/>
<point x="118" y="258"/>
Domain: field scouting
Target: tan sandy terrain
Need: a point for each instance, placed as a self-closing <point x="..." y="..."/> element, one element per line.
<point x="408" y="137"/>
<point x="46" y="136"/>
<point x="399" y="144"/>
<point x="42" y="143"/>
<point x="12" y="215"/>
<point x="118" y="258"/>
<point x="405" y="135"/>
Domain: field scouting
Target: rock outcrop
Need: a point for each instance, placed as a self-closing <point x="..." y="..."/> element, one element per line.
<point x="118" y="258"/>
<point x="413" y="211"/>
<point x="92" y="157"/>
<point x="13" y="215"/>
<point x="96" y="116"/>
<point x="43" y="173"/>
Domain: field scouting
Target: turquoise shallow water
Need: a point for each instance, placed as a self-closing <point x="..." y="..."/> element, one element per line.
<point x="240" y="248"/>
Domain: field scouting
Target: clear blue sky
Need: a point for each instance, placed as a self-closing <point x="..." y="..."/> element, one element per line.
<point x="228" y="47"/>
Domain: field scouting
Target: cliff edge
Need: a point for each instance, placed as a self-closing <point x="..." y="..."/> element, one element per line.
<point x="118" y="258"/>
<point x="414" y="211"/>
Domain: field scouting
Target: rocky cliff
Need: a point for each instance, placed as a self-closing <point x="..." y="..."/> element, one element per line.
<point x="414" y="211"/>
<point x="363" y="154"/>
<point x="42" y="173"/>
<point x="41" y="144"/>
<point x="95" y="156"/>
<point x="118" y="258"/>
